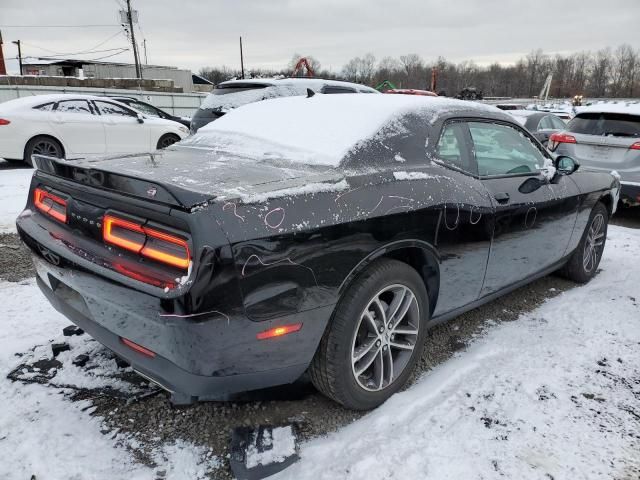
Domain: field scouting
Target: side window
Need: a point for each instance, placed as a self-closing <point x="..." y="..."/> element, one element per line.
<point x="335" y="89"/>
<point x="503" y="150"/>
<point x="545" y="123"/>
<point x="557" y="123"/>
<point x="451" y="148"/>
<point x="74" y="106"/>
<point x="146" y="109"/>
<point x="47" y="107"/>
<point x="107" y="108"/>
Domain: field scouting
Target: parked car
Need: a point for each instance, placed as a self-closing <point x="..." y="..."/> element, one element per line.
<point x="71" y="126"/>
<point x="324" y="234"/>
<point x="151" y="110"/>
<point x="606" y="137"/>
<point x="541" y="124"/>
<point x="235" y="93"/>
<point x="411" y="91"/>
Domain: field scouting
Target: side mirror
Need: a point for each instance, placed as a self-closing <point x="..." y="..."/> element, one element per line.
<point x="566" y="165"/>
<point x="140" y="118"/>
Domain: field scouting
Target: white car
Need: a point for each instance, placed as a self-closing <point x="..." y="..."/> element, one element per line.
<point x="72" y="126"/>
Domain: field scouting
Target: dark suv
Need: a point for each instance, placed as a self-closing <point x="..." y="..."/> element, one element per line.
<point x="235" y="93"/>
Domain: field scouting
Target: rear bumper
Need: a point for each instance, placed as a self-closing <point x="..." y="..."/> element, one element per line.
<point x="200" y="357"/>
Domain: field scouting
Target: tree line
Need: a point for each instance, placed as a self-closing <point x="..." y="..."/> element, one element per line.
<point x="607" y="72"/>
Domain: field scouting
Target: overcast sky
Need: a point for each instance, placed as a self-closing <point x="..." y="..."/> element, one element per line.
<point x="192" y="34"/>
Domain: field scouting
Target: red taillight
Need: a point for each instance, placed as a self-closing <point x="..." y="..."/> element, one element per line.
<point x="148" y="242"/>
<point x="138" y="348"/>
<point x="4" y="121"/>
<point x="635" y="146"/>
<point x="557" y="138"/>
<point x="166" y="248"/>
<point x="123" y="233"/>
<point x="279" y="331"/>
<point x="50" y="204"/>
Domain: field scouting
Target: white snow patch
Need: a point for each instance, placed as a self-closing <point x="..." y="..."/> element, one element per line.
<point x="309" y="189"/>
<point x="413" y="175"/>
<point x="283" y="445"/>
<point x="14" y="188"/>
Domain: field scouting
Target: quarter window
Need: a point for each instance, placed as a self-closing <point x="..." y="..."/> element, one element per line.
<point x="107" y="108"/>
<point x="503" y="150"/>
<point x="451" y="148"/>
<point x="74" y="106"/>
<point x="47" y="107"/>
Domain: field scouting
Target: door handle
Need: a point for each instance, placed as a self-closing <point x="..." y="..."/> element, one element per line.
<point x="502" y="197"/>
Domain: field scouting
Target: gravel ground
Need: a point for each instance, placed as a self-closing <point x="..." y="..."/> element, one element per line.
<point x="154" y="421"/>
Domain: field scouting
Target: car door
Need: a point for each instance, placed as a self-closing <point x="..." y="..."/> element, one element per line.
<point x="463" y="237"/>
<point x="78" y="127"/>
<point x="124" y="132"/>
<point x="533" y="219"/>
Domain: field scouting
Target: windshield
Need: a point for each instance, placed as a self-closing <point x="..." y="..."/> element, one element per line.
<point x="615" y="124"/>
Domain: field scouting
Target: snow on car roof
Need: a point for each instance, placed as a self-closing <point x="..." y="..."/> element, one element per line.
<point x="321" y="129"/>
<point x="271" y="88"/>
<point x="631" y="108"/>
<point x="34" y="100"/>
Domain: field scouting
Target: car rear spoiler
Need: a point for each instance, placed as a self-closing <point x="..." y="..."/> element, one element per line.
<point x="120" y="183"/>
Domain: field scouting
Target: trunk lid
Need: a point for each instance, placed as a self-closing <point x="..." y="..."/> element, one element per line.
<point x="187" y="177"/>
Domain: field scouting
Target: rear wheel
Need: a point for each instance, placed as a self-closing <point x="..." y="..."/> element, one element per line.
<point x="166" y="140"/>
<point x="375" y="337"/>
<point x="583" y="264"/>
<point x="42" y="145"/>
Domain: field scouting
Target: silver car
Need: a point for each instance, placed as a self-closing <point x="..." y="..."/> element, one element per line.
<point x="605" y="137"/>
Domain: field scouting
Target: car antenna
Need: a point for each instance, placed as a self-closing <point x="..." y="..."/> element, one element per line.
<point x="310" y="93"/>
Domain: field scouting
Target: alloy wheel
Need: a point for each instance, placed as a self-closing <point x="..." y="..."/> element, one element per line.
<point x="593" y="244"/>
<point x="385" y="337"/>
<point x="48" y="148"/>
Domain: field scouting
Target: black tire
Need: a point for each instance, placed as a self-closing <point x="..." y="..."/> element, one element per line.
<point x="166" y="140"/>
<point x="584" y="261"/>
<point x="333" y="370"/>
<point x="42" y="145"/>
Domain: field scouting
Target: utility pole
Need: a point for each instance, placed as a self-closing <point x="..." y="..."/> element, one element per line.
<point x="17" y="42"/>
<point x="133" y="40"/>
<point x="241" y="59"/>
<point x="144" y="45"/>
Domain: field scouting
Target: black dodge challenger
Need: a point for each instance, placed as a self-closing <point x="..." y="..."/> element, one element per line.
<point x="322" y="234"/>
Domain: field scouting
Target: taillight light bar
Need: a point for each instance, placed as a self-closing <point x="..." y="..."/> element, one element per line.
<point x="146" y="241"/>
<point x="51" y="204"/>
<point x="557" y="138"/>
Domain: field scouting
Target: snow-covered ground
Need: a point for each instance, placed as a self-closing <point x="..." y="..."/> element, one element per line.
<point x="553" y="395"/>
<point x="14" y="186"/>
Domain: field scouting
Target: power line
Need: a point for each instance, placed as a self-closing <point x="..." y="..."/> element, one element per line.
<point x="121" y="49"/>
<point x="89" y="50"/>
<point x="59" y="26"/>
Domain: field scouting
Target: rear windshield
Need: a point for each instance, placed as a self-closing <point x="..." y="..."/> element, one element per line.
<point x="615" y="124"/>
<point x="224" y="90"/>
